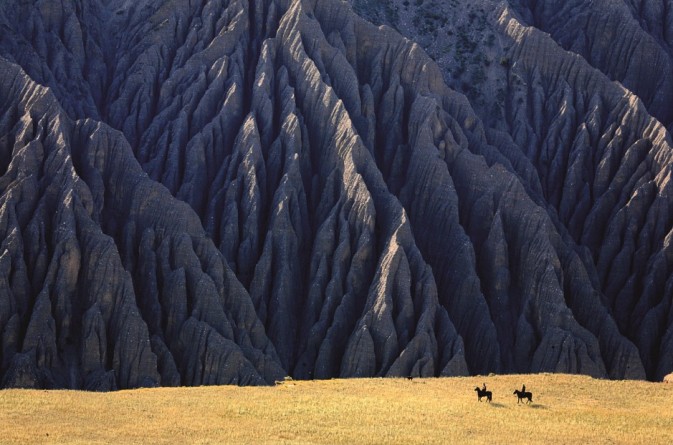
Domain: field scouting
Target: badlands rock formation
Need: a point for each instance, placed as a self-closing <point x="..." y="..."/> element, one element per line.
<point x="232" y="191"/>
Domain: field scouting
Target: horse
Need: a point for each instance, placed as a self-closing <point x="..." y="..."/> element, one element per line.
<point x="523" y="395"/>
<point x="481" y="393"/>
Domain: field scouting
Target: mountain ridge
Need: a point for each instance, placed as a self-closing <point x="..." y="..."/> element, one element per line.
<point x="235" y="191"/>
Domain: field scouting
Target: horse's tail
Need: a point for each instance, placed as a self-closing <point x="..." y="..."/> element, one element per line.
<point x="489" y="395"/>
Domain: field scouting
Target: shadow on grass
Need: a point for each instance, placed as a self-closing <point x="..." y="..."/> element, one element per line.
<point x="538" y="406"/>
<point x="532" y="405"/>
<point x="496" y="405"/>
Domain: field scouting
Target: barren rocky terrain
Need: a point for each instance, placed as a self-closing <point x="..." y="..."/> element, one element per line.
<point x="233" y="191"/>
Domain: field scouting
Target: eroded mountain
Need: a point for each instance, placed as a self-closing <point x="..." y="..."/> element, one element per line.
<point x="233" y="191"/>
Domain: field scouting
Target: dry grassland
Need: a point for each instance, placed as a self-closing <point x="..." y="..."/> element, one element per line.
<point x="566" y="409"/>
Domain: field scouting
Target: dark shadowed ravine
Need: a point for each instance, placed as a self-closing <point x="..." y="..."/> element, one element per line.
<point x="234" y="191"/>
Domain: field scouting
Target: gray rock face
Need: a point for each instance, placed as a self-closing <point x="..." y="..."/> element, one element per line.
<point x="112" y="280"/>
<point x="232" y="191"/>
<point x="587" y="150"/>
<point x="629" y="41"/>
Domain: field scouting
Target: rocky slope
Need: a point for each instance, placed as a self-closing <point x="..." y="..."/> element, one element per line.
<point x="234" y="191"/>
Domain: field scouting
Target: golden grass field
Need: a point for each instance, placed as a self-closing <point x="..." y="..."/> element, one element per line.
<point x="566" y="409"/>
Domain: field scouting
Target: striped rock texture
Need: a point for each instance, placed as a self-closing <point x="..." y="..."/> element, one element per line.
<point x="232" y="191"/>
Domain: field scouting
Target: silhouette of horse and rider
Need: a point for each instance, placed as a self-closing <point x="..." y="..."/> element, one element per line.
<point x="523" y="394"/>
<point x="520" y="394"/>
<point x="483" y="393"/>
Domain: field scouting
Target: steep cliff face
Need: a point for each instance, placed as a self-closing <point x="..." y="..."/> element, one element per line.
<point x="587" y="149"/>
<point x="627" y="40"/>
<point x="108" y="281"/>
<point x="234" y="191"/>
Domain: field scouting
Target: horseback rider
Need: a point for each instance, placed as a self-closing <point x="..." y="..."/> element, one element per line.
<point x="523" y="388"/>
<point x="483" y="388"/>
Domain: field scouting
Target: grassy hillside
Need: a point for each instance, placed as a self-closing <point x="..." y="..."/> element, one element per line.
<point x="566" y="409"/>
